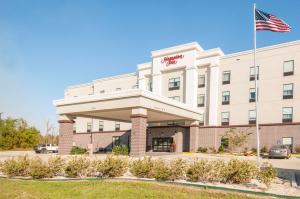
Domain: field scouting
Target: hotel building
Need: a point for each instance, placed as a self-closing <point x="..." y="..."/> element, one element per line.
<point x="188" y="96"/>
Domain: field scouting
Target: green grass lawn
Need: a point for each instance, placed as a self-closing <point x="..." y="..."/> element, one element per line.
<point x="25" y="189"/>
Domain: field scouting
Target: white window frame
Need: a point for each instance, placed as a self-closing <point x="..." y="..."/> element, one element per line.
<point x="89" y="127"/>
<point x="201" y="80"/>
<point x="201" y="97"/>
<point x="225" y="119"/>
<point x="226" y="76"/>
<point x="224" y="96"/>
<point x="287" y="70"/>
<point x="288" y="92"/>
<point x="174" y="83"/>
<point x="287" y="113"/>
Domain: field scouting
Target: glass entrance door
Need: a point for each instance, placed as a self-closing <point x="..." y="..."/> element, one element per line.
<point x="162" y="144"/>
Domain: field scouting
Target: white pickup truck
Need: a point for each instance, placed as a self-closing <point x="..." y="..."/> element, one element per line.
<point x="46" y="148"/>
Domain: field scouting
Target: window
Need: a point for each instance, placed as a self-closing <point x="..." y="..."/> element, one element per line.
<point x="252" y="95"/>
<point x="201" y="120"/>
<point x="74" y="127"/>
<point x="116" y="141"/>
<point x="101" y="126"/>
<point x="117" y="126"/>
<point x="225" y="118"/>
<point x="252" y="117"/>
<point x="135" y="86"/>
<point x="174" y="83"/>
<point x="102" y="91"/>
<point x="225" y="97"/>
<point x="201" y="100"/>
<point x="288" y="68"/>
<point x="150" y="86"/>
<point x="252" y="73"/>
<point x="89" y="127"/>
<point x="288" y="91"/>
<point x="287" y="114"/>
<point x="226" y="77"/>
<point x="118" y="89"/>
<point x="177" y="98"/>
<point x="201" y="81"/>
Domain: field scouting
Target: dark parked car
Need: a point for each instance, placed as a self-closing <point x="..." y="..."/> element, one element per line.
<point x="280" y="151"/>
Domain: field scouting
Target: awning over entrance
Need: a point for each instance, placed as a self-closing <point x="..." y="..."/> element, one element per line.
<point x="136" y="106"/>
<point x="118" y="106"/>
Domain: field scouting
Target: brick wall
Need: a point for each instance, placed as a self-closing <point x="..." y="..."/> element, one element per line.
<point x="65" y="136"/>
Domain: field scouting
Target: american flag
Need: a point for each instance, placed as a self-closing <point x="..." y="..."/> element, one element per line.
<point x="265" y="21"/>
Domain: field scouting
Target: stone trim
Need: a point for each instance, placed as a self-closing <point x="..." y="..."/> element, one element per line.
<point x="252" y="125"/>
<point x="93" y="132"/>
<point x="138" y="115"/>
<point x="66" y="121"/>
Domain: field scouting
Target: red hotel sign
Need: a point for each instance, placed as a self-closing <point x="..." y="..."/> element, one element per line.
<point x="172" y="59"/>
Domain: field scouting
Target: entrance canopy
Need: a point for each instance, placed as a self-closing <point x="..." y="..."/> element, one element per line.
<point x="118" y="106"/>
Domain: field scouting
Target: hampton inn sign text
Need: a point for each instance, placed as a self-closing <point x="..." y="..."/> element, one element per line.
<point x="172" y="59"/>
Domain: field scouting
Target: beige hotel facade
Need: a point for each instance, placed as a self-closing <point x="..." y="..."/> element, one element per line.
<point x="188" y="96"/>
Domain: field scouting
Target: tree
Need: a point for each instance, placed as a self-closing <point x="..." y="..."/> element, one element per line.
<point x="15" y="133"/>
<point x="236" y="138"/>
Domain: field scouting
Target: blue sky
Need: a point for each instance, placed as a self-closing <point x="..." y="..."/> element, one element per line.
<point x="46" y="45"/>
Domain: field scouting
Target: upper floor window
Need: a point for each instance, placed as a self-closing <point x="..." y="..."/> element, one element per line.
<point x="288" y="68"/>
<point x="225" y="118"/>
<point x="150" y="86"/>
<point x="226" y="97"/>
<point x="201" y="81"/>
<point x="177" y="98"/>
<point x="288" y="91"/>
<point x="226" y="77"/>
<point x="135" y="86"/>
<point x="287" y="114"/>
<point x="101" y="126"/>
<point x="201" y="100"/>
<point x="117" y="126"/>
<point x="252" y="117"/>
<point x="89" y="127"/>
<point x="102" y="91"/>
<point x="118" y="89"/>
<point x="252" y="97"/>
<point x="201" y="120"/>
<point x="252" y="73"/>
<point x="174" y="83"/>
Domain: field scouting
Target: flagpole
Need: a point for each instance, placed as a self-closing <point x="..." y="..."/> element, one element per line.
<point x="256" y="89"/>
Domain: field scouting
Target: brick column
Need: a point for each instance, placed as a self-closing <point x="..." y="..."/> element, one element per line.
<point x="194" y="136"/>
<point x="138" y="134"/>
<point x="65" y="136"/>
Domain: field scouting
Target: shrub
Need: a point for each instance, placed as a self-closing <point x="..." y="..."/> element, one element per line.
<point x="77" y="150"/>
<point x="161" y="171"/>
<point x="197" y="171"/>
<point x="177" y="168"/>
<point x="56" y="166"/>
<point x="142" y="168"/>
<point x="267" y="174"/>
<point x="212" y="150"/>
<point x="38" y="169"/>
<point x="240" y="171"/>
<point x="77" y="167"/>
<point x="202" y="150"/>
<point x="120" y="150"/>
<point x="16" y="167"/>
<point x="216" y="171"/>
<point x="264" y="150"/>
<point x="221" y="149"/>
<point x="112" y="167"/>
<point x="254" y="150"/>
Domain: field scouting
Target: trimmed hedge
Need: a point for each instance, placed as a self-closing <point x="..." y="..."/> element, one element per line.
<point x="234" y="171"/>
